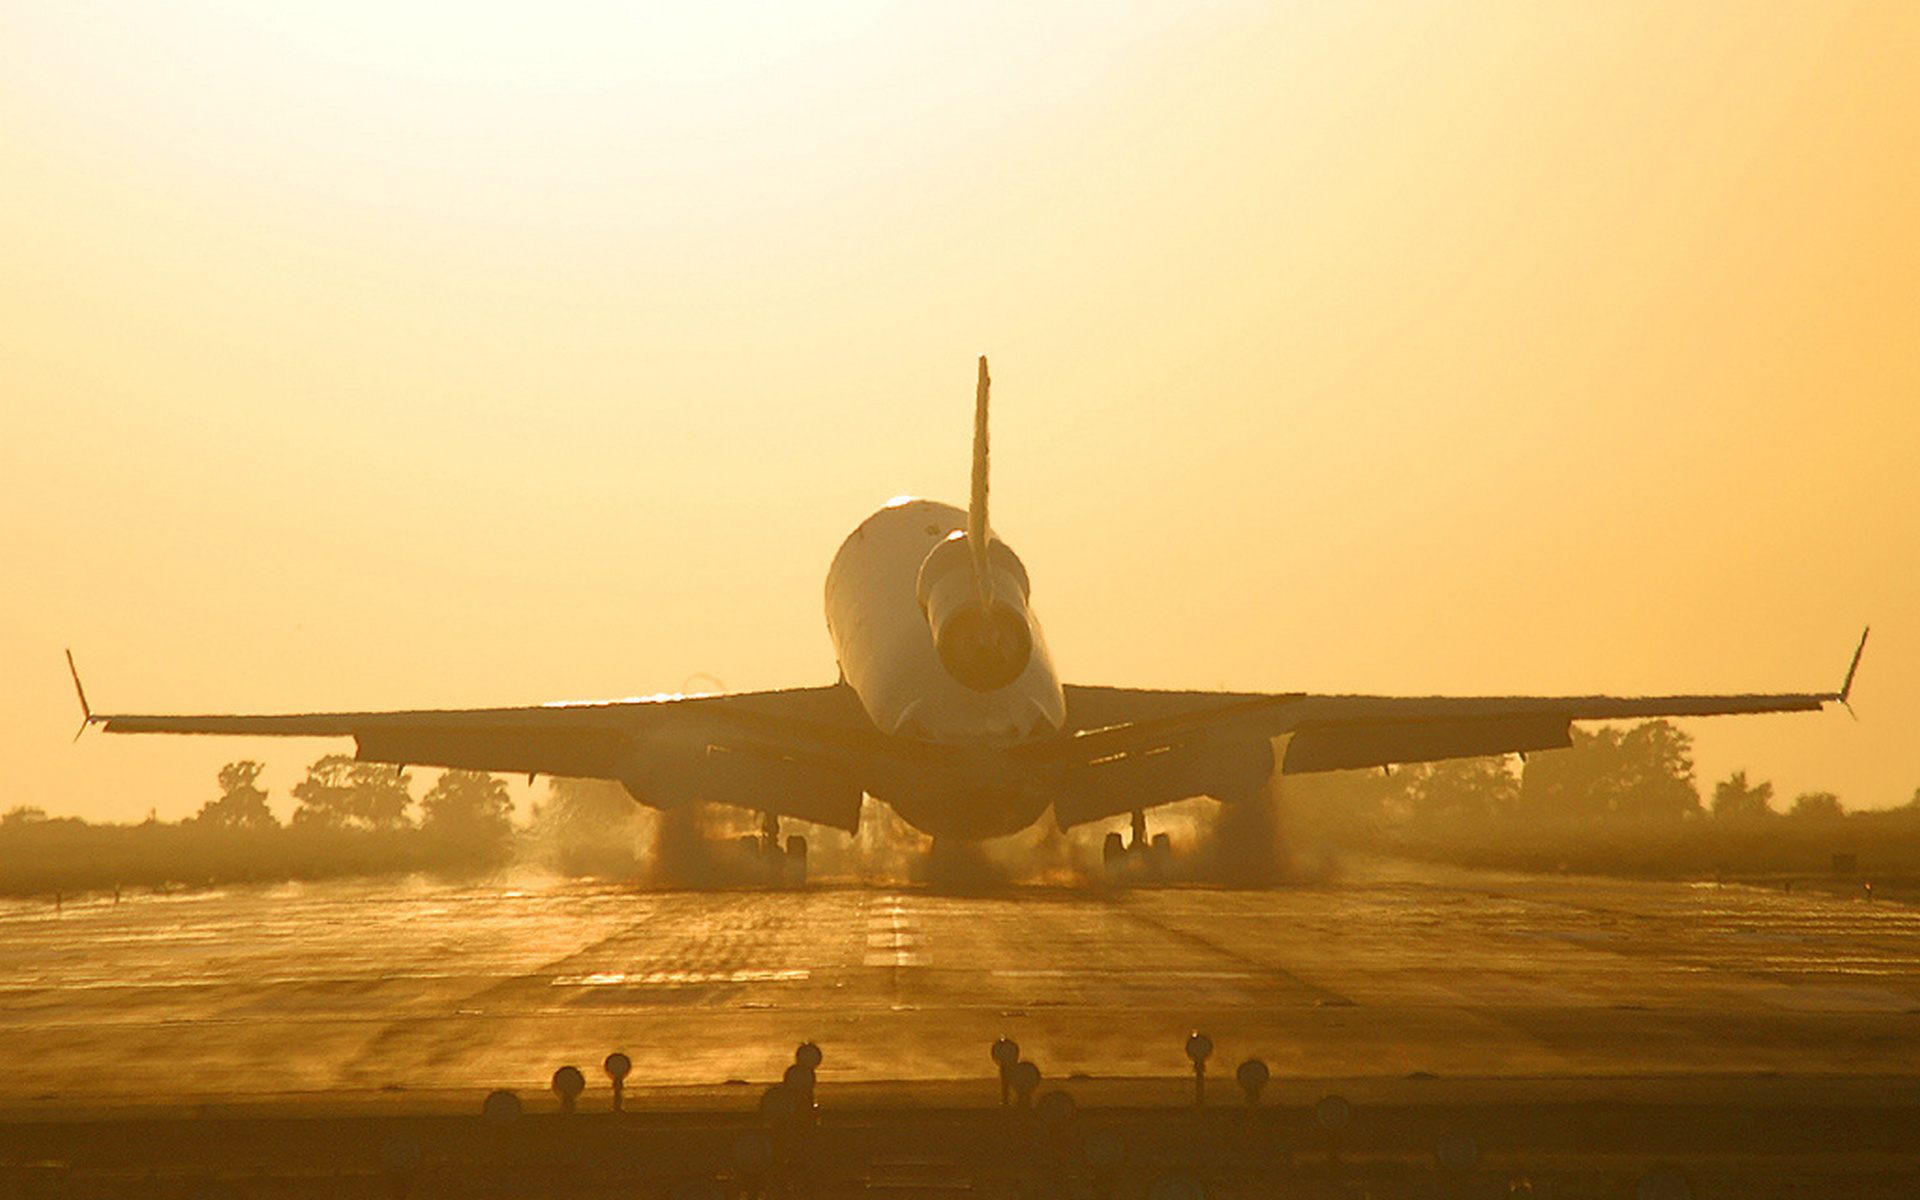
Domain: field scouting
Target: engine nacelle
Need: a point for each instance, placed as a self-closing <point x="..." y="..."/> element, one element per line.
<point x="1234" y="772"/>
<point x="984" y="646"/>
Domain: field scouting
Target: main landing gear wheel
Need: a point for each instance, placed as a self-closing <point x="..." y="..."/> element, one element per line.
<point x="793" y="863"/>
<point x="783" y="868"/>
<point x="1143" y="860"/>
<point x="1160" y="856"/>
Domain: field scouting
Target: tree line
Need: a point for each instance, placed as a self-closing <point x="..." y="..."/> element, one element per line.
<point x="341" y="792"/>
<point x="1640" y="772"/>
<point x="1617" y="797"/>
<point x="350" y="818"/>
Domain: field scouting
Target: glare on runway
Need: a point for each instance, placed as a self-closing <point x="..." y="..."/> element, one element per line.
<point x="368" y="989"/>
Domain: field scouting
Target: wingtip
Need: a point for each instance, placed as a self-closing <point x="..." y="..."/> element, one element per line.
<point x="86" y="710"/>
<point x="1853" y="667"/>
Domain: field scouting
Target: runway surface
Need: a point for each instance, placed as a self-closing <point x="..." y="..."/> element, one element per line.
<point x="376" y="991"/>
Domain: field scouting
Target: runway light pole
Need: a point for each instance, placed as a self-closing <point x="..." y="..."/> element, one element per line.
<point x="617" y="1068"/>
<point x="1252" y="1077"/>
<point x="501" y="1108"/>
<point x="1006" y="1052"/>
<point x="1025" y="1077"/>
<point x="798" y="1079"/>
<point x="806" y="1068"/>
<point x="568" y="1083"/>
<point x="1199" y="1046"/>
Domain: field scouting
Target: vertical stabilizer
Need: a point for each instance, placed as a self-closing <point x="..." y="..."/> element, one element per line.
<point x="977" y="501"/>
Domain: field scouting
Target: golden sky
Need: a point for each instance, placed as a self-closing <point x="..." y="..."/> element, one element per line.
<point x="377" y="355"/>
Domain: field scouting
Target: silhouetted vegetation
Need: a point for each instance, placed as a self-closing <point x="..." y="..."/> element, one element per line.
<point x="1734" y="799"/>
<point x="1619" y="801"/>
<point x="468" y="816"/>
<point x="241" y="803"/>
<point x="340" y="792"/>
<point x="589" y="827"/>
<point x="1644" y="771"/>
<point x="1816" y="806"/>
<point x="352" y="818"/>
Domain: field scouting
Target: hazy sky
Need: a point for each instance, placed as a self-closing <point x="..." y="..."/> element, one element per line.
<point x="375" y="355"/>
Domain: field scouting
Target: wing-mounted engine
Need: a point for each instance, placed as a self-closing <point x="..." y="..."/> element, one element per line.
<point x="1235" y="771"/>
<point x="759" y="778"/>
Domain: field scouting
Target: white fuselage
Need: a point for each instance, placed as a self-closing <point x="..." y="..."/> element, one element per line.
<point x="887" y="655"/>
<point x="886" y="651"/>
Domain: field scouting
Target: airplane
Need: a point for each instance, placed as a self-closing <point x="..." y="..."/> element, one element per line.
<point x="949" y="710"/>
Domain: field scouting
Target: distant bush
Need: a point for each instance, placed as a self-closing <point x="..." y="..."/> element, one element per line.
<point x="1612" y="804"/>
<point x="352" y="819"/>
<point x="241" y="802"/>
<point x="70" y="855"/>
<point x="1883" y="843"/>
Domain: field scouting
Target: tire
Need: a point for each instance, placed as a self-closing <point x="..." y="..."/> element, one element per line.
<point x="1160" y="857"/>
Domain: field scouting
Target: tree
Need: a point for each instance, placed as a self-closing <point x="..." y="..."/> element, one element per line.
<point x="590" y="827"/>
<point x="1476" y="788"/>
<point x="341" y="792"/>
<point x="589" y="808"/>
<point x="468" y="806"/>
<point x="1645" y="771"/>
<point x="380" y="795"/>
<point x="1735" y="799"/>
<point x="1819" y="806"/>
<point x="25" y="814"/>
<point x="326" y="794"/>
<point x="241" y="803"/>
<point x="1655" y="772"/>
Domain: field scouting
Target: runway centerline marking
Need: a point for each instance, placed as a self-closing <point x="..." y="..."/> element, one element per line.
<point x="891" y="939"/>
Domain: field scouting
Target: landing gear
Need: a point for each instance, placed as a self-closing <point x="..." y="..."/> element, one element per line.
<point x="793" y="863"/>
<point x="780" y="867"/>
<point x="1140" y="860"/>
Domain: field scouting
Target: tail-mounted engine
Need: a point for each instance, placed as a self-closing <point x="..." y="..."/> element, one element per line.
<point x="979" y="621"/>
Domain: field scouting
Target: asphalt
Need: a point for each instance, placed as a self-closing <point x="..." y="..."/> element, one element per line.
<point x="423" y="995"/>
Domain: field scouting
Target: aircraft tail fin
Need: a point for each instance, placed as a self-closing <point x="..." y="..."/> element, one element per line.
<point x="977" y="500"/>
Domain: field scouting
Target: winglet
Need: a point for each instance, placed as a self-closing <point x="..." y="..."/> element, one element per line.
<point x="1846" y="687"/>
<point x="86" y="710"/>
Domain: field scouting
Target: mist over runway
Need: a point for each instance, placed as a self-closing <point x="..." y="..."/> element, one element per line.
<point x="396" y="991"/>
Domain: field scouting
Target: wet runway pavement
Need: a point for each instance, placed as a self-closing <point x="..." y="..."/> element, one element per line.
<point x="436" y="992"/>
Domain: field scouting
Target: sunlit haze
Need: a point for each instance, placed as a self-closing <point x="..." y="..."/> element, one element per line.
<point x="373" y="356"/>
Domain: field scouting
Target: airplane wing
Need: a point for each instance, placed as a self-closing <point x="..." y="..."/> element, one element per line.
<point x="1106" y="725"/>
<point x="792" y="752"/>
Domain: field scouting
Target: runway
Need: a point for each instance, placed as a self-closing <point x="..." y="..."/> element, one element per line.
<point x="432" y="993"/>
